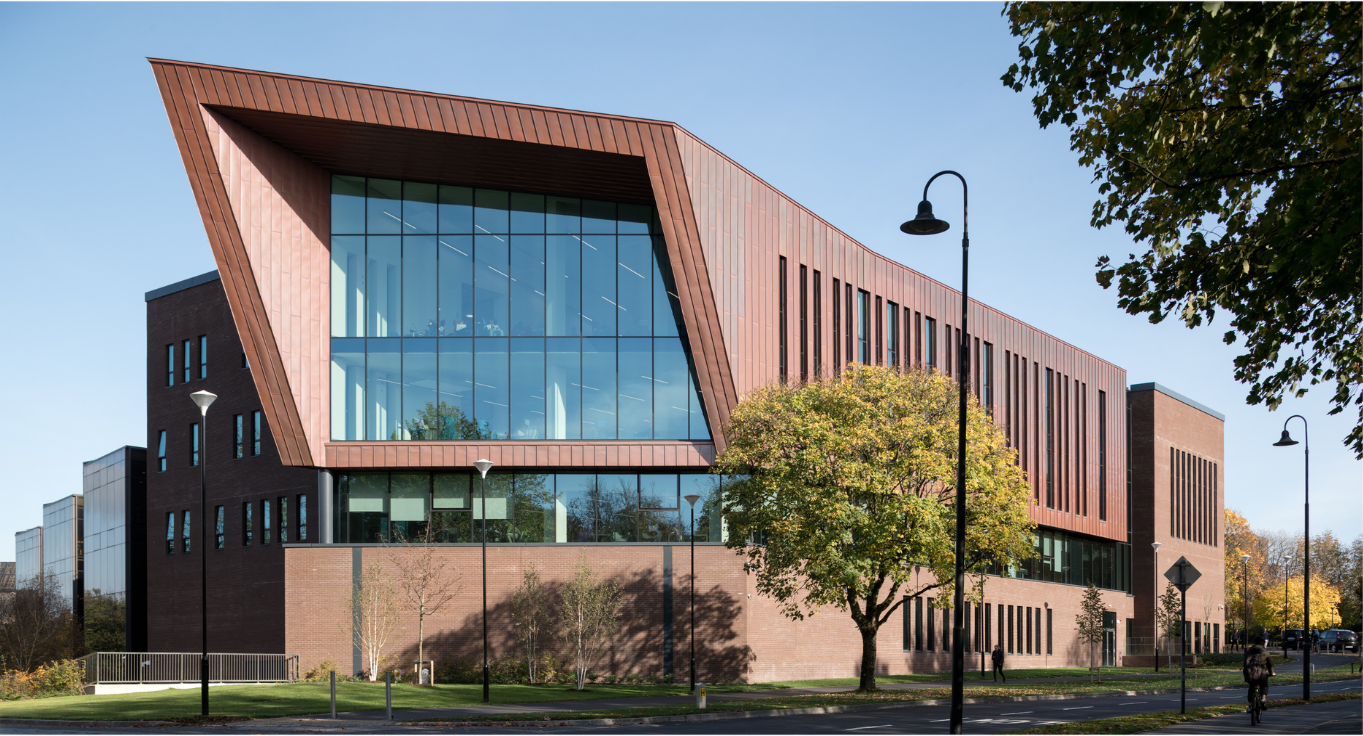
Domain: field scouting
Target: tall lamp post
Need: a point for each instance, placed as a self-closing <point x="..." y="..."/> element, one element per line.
<point x="1244" y="563"/>
<point x="1287" y="441"/>
<point x="926" y="224"/>
<point x="204" y="400"/>
<point x="692" y="498"/>
<point x="1155" y="621"/>
<point x="483" y="466"/>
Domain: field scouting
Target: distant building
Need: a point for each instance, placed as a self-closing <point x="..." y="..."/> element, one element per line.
<point x="63" y="551"/>
<point x="115" y="539"/>
<point x="28" y="555"/>
<point x="6" y="578"/>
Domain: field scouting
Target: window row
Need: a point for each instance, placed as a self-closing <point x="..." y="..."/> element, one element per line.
<point x="185" y="366"/>
<point x="274" y="524"/>
<point x="1019" y="628"/>
<point x="388" y="206"/>
<point x="1193" y="498"/>
<point x="248" y="432"/>
<point x="514" y="389"/>
<point x="542" y="508"/>
<point x="1060" y="557"/>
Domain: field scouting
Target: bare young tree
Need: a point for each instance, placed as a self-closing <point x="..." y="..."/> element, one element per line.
<point x="373" y="616"/>
<point x="426" y="580"/>
<point x="1089" y="621"/>
<point x="530" y="617"/>
<point x="588" y="616"/>
<point x="1170" y="615"/>
<point x="36" y="625"/>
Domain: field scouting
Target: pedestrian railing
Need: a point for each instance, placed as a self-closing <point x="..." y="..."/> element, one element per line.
<point x="1145" y="646"/>
<point x="159" y="668"/>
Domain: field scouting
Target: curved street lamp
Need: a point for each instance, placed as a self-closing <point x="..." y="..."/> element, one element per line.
<point x="1287" y="441"/>
<point x="1154" y="622"/>
<point x="925" y="223"/>
<point x="203" y="400"/>
<point x="483" y="466"/>
<point x="692" y="498"/>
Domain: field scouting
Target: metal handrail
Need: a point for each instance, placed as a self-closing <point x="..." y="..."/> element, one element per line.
<point x="120" y="668"/>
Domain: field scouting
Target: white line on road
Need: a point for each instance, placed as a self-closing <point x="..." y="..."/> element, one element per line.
<point x="863" y="728"/>
<point x="1018" y="713"/>
<point x="1080" y="707"/>
<point x="1132" y="702"/>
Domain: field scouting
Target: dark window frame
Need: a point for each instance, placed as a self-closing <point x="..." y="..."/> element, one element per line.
<point x="300" y="516"/>
<point x="161" y="451"/>
<point x="170" y="364"/>
<point x="257" y="430"/>
<point x="837" y="328"/>
<point x="186" y="530"/>
<point x="238" y="436"/>
<point x="804" y="323"/>
<point x="782" y="327"/>
<point x="170" y="532"/>
<point x="194" y="445"/>
<point x="203" y="357"/>
<point x="219" y="527"/>
<point x="189" y="363"/>
<point x="818" y="324"/>
<point x="247" y="523"/>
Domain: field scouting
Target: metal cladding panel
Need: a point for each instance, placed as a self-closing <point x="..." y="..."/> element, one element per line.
<point x="745" y="226"/>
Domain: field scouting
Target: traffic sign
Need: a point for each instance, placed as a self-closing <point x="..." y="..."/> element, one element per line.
<point x="1182" y="574"/>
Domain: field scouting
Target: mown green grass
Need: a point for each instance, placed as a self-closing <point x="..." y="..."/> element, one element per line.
<point x="1148" y="721"/>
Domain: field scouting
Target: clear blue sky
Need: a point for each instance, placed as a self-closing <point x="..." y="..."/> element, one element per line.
<point x="846" y="108"/>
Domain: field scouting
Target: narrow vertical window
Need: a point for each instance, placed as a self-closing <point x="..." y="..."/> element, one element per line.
<point x="892" y="334"/>
<point x="1020" y="390"/>
<point x="1084" y="445"/>
<point x="837" y="330"/>
<point x="851" y="327"/>
<point x="880" y="334"/>
<point x="918" y="623"/>
<point x="170" y="532"/>
<point x="1008" y="399"/>
<point x="965" y="626"/>
<point x="906" y="348"/>
<point x="946" y="629"/>
<point x="1049" y="614"/>
<point x="974" y="364"/>
<point x="1028" y="620"/>
<point x="932" y="628"/>
<point x="988" y="627"/>
<point x="170" y="364"/>
<point x="918" y="341"/>
<point x="947" y="349"/>
<point x="247" y="532"/>
<point x="987" y="365"/>
<point x="1010" y="630"/>
<point x="203" y="356"/>
<point x="184" y="533"/>
<point x="804" y="323"/>
<point x="161" y="451"/>
<point x="1173" y="495"/>
<point x="1050" y="440"/>
<point x="185" y="347"/>
<point x="265" y="522"/>
<point x="1063" y="461"/>
<point x="283" y="502"/>
<point x="1102" y="456"/>
<point x="1216" y="538"/>
<point x="930" y="337"/>
<point x="818" y="324"/>
<point x="301" y="514"/>
<point x="238" y="436"/>
<point x="781" y="313"/>
<point x="907" y="634"/>
<point x="257" y="419"/>
<point x="219" y="527"/>
<point x="245" y="364"/>
<point x="193" y="445"/>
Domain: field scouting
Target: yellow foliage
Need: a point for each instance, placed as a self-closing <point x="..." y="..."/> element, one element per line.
<point x="1281" y="606"/>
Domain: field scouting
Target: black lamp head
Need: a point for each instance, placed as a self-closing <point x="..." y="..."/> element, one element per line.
<point x="1286" y="440"/>
<point x="925" y="223"/>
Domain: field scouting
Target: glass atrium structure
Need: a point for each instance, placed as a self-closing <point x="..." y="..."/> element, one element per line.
<point x="62" y="545"/>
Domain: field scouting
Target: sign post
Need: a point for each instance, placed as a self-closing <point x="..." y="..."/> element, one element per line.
<point x="1183" y="575"/>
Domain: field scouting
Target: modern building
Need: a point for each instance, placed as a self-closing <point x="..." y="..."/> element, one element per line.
<point x="63" y="547"/>
<point x="7" y="581"/>
<point x="115" y="539"/>
<point x="28" y="555"/>
<point x="408" y="282"/>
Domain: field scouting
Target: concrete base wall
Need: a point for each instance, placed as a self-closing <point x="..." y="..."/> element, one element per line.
<point x="119" y="689"/>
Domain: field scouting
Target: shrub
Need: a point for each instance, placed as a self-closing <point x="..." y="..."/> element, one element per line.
<point x="321" y="671"/>
<point x="63" y="677"/>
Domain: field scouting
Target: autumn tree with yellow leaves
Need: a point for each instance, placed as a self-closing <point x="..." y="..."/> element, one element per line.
<point x="848" y="484"/>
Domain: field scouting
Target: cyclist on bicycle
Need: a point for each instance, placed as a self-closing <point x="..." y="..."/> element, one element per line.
<point x="1258" y="668"/>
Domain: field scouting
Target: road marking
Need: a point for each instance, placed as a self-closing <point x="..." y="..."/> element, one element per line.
<point x="940" y="720"/>
<point x="1132" y="702"/>
<point x="863" y="728"/>
<point x="1079" y="707"/>
<point x="1018" y="713"/>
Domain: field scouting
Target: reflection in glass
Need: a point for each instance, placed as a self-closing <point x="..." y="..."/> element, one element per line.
<point x="633" y="219"/>
<point x="527" y="285"/>
<point x="666" y="305"/>
<point x="709" y="516"/>
<point x="598" y="388"/>
<point x="577" y="500"/>
<point x="347" y="205"/>
<point x="490" y="283"/>
<point x="347" y="389"/>
<point x="533" y="512"/>
<point x="671" y="418"/>
<point x="563" y="215"/>
<point x="367" y="506"/>
<point x="527" y="213"/>
<point x="563" y="285"/>
<point x="598" y="291"/>
<point x="456" y="285"/>
<point x="527" y="388"/>
<point x="563" y="388"/>
<point x="408" y="495"/>
<point x="456" y="210"/>
<point x="490" y="212"/>
<point x="490" y="391"/>
<point x="635" y="361"/>
<point x="598" y="217"/>
<point x="497" y="487"/>
<point x="617" y="498"/>
<point x="418" y="286"/>
<point x="634" y="285"/>
<point x="456" y="391"/>
<point x="420" y="416"/>
<point x="384" y="210"/>
<point x="347" y="286"/>
<point x="451" y="504"/>
<point x="383" y="390"/>
<point x="418" y="208"/>
<point x="383" y="287"/>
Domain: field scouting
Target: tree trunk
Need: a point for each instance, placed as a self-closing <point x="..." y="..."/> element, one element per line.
<point x="868" y="659"/>
<point x="420" y="652"/>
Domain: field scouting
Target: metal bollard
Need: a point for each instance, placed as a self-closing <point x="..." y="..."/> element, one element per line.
<point x="333" y="694"/>
<point x="700" y="696"/>
<point x="388" y="692"/>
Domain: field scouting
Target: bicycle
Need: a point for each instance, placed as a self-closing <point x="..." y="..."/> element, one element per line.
<point x="1256" y="709"/>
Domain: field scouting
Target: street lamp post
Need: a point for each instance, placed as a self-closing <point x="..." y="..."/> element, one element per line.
<point x="1244" y="563"/>
<point x="926" y="224"/>
<point x="1287" y="441"/>
<point x="692" y="498"/>
<point x="1154" y="626"/>
<point x="483" y="466"/>
<point x="204" y="400"/>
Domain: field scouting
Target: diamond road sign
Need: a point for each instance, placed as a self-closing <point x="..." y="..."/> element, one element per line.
<point x="1182" y="574"/>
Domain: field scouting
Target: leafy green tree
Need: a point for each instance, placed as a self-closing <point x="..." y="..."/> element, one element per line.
<point x="443" y="422"/>
<point x="849" y="484"/>
<point x="1089" y="621"/>
<point x="1226" y="136"/>
<point x="105" y="622"/>
<point x="1169" y="616"/>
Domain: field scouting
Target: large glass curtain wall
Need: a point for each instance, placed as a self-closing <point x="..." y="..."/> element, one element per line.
<point x="460" y="313"/>
<point x="536" y="508"/>
<point x="1065" y="558"/>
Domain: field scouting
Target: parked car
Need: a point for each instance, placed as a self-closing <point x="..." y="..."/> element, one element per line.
<point x="1339" y="640"/>
<point x="1292" y="639"/>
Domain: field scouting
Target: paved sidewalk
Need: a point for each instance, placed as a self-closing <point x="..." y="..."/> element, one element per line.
<point x="1345" y="716"/>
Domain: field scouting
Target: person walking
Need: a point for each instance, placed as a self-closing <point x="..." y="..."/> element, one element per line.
<point x="997" y="656"/>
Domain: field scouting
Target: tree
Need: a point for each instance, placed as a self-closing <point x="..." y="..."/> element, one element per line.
<point x="588" y="618"/>
<point x="1089" y="621"/>
<point x="36" y="625"/>
<point x="848" y="484"/>
<point x="1351" y="594"/>
<point x="530" y="616"/>
<point x="427" y="581"/>
<point x="1169" y="615"/>
<point x="442" y="422"/>
<point x="1226" y="136"/>
<point x="1240" y="539"/>
<point x="1281" y="605"/>
<point x="105" y="621"/>
<point x="373" y="616"/>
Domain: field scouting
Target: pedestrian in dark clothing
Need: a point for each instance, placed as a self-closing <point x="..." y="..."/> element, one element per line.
<point x="998" y="664"/>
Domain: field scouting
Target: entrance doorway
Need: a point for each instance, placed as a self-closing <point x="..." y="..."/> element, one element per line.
<point x="1109" y="639"/>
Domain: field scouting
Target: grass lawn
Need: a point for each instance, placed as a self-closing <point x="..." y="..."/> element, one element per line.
<point x="1148" y="721"/>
